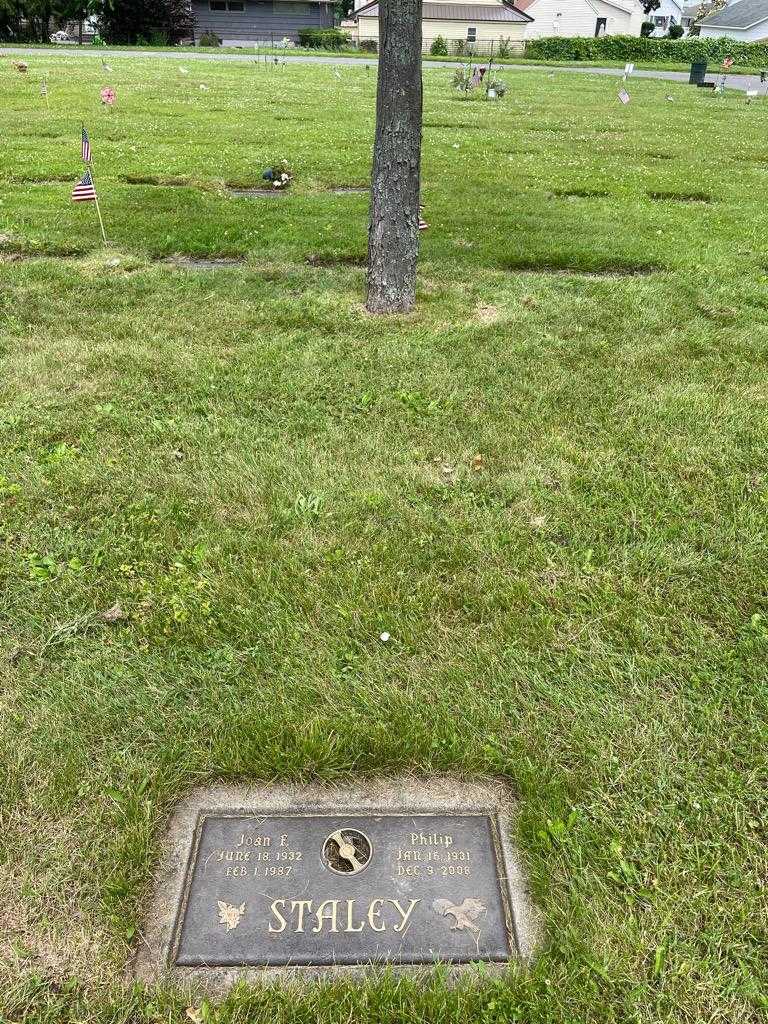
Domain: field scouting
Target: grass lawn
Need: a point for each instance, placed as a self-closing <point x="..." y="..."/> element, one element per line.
<point x="264" y="479"/>
<point x="104" y="53"/>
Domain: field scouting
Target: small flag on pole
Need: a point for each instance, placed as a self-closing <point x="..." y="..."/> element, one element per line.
<point x="624" y="96"/>
<point x="84" y="191"/>
<point x="628" y="69"/>
<point x="86" y="147"/>
<point x="43" y="88"/>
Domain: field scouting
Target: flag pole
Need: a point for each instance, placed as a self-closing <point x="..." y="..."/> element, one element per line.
<point x="101" y="222"/>
<point x="98" y="208"/>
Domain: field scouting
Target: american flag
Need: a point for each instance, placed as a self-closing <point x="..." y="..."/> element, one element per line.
<point x="86" y="147"/>
<point x="624" y="96"/>
<point x="84" y="191"/>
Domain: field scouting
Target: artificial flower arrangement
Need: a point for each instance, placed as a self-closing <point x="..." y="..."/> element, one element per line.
<point x="467" y="79"/>
<point x="279" y="174"/>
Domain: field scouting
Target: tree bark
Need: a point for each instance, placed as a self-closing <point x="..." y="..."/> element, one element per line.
<point x="393" y="235"/>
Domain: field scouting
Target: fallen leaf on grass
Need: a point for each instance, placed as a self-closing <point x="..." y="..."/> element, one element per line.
<point x="477" y="463"/>
<point x="113" y="614"/>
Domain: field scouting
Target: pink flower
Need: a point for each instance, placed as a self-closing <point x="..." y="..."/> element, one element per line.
<point x="108" y="96"/>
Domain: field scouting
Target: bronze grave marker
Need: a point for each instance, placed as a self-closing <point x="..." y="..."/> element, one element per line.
<point x="343" y="889"/>
<point x="277" y="885"/>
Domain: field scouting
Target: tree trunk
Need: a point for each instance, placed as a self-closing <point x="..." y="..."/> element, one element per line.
<point x="393" y="235"/>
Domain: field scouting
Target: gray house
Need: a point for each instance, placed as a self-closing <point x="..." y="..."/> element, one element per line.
<point x="247" y="22"/>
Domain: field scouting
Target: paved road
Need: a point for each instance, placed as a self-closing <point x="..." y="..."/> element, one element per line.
<point x="741" y="82"/>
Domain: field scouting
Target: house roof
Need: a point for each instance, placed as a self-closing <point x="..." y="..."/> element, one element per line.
<point x="524" y="5"/>
<point x="743" y="14"/>
<point x="457" y="12"/>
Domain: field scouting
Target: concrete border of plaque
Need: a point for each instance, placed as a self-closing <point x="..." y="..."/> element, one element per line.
<point x="269" y="882"/>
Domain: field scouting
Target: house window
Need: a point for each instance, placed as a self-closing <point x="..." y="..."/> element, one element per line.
<point x="471" y="35"/>
<point x="234" y="6"/>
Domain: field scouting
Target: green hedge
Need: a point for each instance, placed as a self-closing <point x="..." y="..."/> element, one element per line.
<point x="635" y="48"/>
<point x="323" y="38"/>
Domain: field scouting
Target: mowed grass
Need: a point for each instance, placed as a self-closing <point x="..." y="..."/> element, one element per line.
<point x="264" y="479"/>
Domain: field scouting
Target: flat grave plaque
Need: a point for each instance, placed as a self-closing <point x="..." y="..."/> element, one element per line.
<point x="323" y="889"/>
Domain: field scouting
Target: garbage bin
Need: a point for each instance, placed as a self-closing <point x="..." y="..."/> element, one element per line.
<point x="698" y="72"/>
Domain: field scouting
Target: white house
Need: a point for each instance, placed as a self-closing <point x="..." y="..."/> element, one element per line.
<point x="474" y="24"/>
<point x="670" y="13"/>
<point x="582" y="17"/>
<point x="746" y="20"/>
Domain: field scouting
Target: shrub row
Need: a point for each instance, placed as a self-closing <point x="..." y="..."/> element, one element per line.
<point x="636" y="48"/>
<point x="323" y="38"/>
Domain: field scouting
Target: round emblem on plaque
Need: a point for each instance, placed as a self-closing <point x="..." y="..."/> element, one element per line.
<point x="347" y="851"/>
